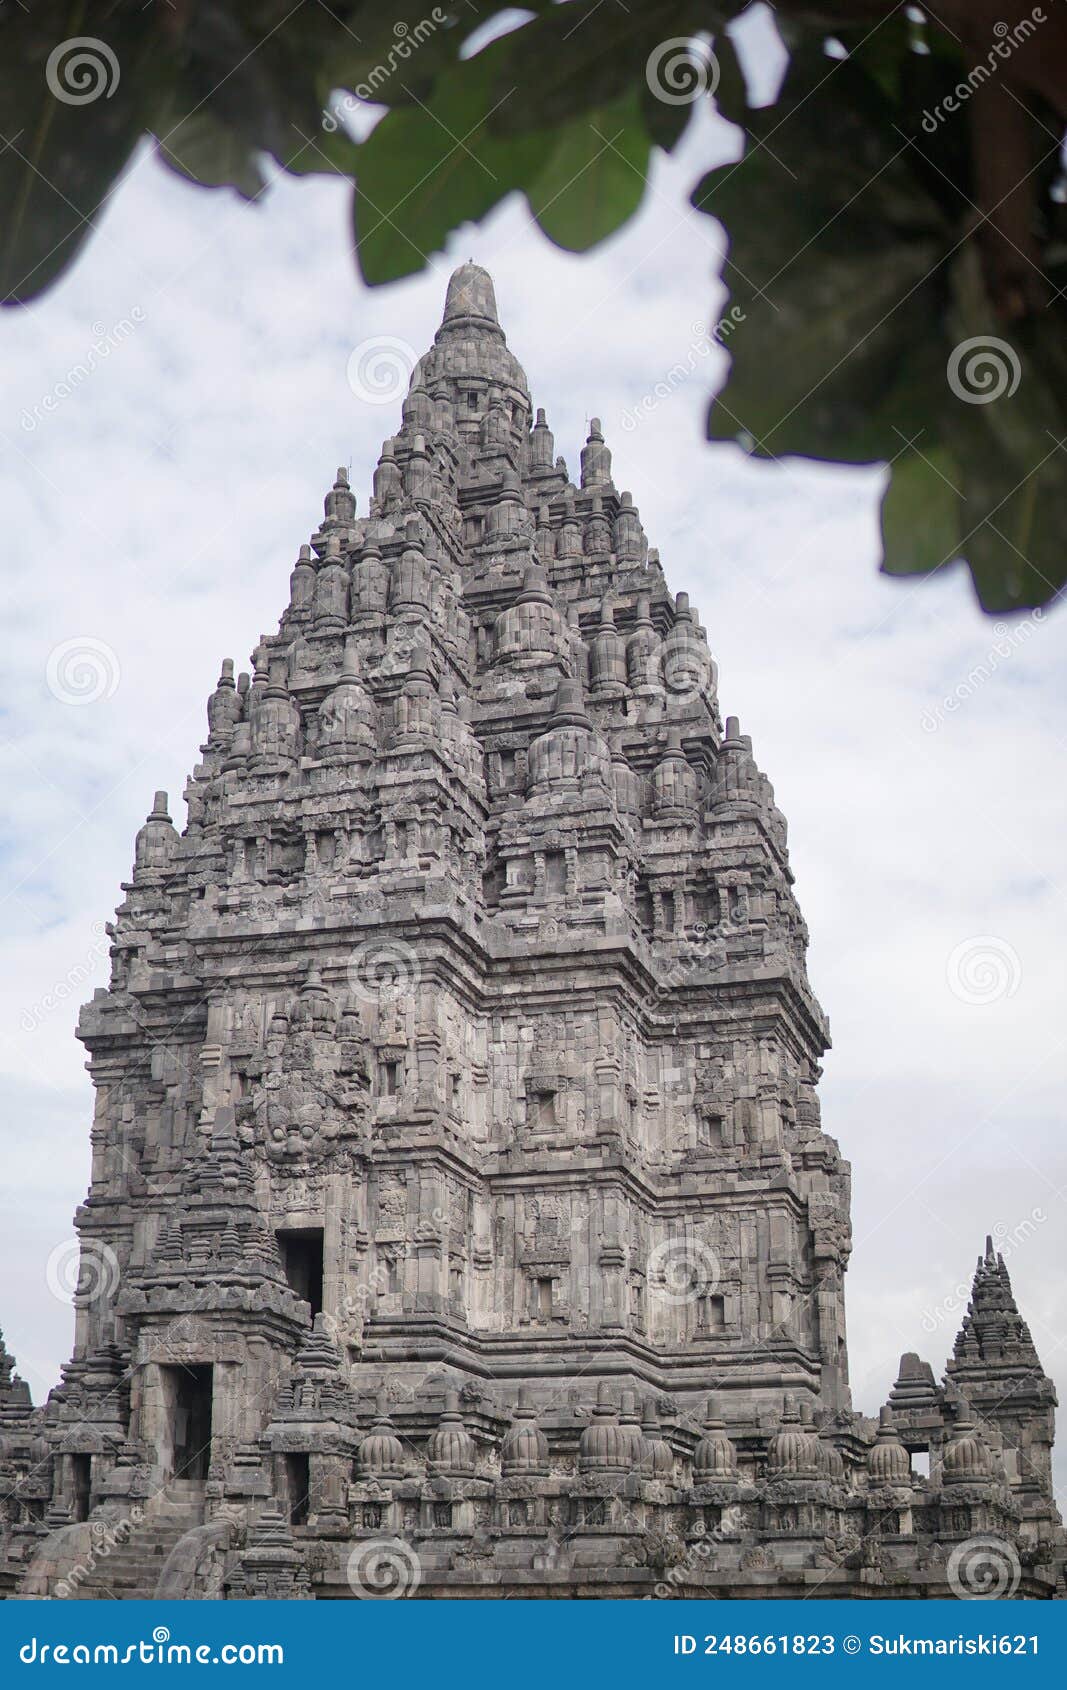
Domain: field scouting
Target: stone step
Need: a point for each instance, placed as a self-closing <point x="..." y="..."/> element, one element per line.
<point x="132" y="1567"/>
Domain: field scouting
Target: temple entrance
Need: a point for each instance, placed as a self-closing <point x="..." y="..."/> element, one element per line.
<point x="298" y="1484"/>
<point x="190" y="1392"/>
<point x="302" y="1259"/>
<point x="81" y="1482"/>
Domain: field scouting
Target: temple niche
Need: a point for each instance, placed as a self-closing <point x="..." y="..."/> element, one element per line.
<point x="457" y="1168"/>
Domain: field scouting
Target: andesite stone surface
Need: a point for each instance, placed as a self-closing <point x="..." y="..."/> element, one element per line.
<point x="460" y="1219"/>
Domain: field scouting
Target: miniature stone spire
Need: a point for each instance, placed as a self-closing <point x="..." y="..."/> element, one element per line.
<point x="888" y="1462"/>
<point x="714" y="1458"/>
<point x="542" y="449"/>
<point x="388" y="481"/>
<point x="302" y="585"/>
<point x="331" y="587"/>
<point x="629" y="536"/>
<point x="596" y="459"/>
<point x="607" y="659"/>
<point x="525" y="1448"/>
<point x="157" y="843"/>
<point x="450" y="1448"/>
<point x="224" y="706"/>
<point x="340" y="504"/>
<point x="381" y="1454"/>
<point x="675" y="786"/>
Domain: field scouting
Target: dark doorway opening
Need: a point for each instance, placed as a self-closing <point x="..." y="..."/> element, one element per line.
<point x="299" y="1485"/>
<point x="82" y="1476"/>
<point x="193" y="1388"/>
<point x="302" y="1260"/>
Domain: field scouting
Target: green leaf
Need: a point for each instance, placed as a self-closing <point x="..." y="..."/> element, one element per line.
<point x="1006" y="416"/>
<point x="323" y="152"/>
<point x="426" y="169"/>
<point x="1015" y="548"/>
<point x="62" y="151"/>
<point x="594" y="176"/>
<point x="203" y="150"/>
<point x="833" y="258"/>
<point x="575" y="61"/>
<point x="921" y="512"/>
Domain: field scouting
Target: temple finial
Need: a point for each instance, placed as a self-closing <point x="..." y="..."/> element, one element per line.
<point x="470" y="294"/>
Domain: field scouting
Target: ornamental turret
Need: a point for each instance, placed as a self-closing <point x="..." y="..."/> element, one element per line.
<point x="659" y="1456"/>
<point x="531" y="629"/>
<point x="381" y="1454"/>
<point x="629" y="537"/>
<point x="370" y="582"/>
<point x="714" y="1458"/>
<point x="675" y="784"/>
<point x="966" y="1457"/>
<point x="888" y="1462"/>
<point x="607" y="656"/>
<point x="524" y="1452"/>
<point x="450" y="1447"/>
<point x="604" y="1447"/>
<point x="348" y="716"/>
<point x="157" y="843"/>
<point x="276" y="723"/>
<point x="388" y="481"/>
<point x="224" y="706"/>
<point x="792" y="1452"/>
<point x="340" y="503"/>
<point x="507" y="519"/>
<point x="331" y="587"/>
<point x="302" y="586"/>
<point x="687" y="665"/>
<point x="642" y="652"/>
<point x="541" y="448"/>
<point x="409" y="593"/>
<point x="570" y="755"/>
<point x="418" y="412"/>
<point x="596" y="458"/>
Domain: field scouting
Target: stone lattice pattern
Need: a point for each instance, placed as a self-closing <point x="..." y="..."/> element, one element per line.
<point x="456" y="1121"/>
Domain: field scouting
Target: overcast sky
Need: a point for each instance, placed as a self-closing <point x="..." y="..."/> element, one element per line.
<point x="155" y="513"/>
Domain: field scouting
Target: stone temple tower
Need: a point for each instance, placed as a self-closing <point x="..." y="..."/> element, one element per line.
<point x="457" y="1130"/>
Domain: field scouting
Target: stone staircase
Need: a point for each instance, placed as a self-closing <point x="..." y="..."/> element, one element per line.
<point x="131" y="1568"/>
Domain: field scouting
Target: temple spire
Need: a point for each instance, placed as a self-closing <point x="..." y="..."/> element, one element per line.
<point x="470" y="294"/>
